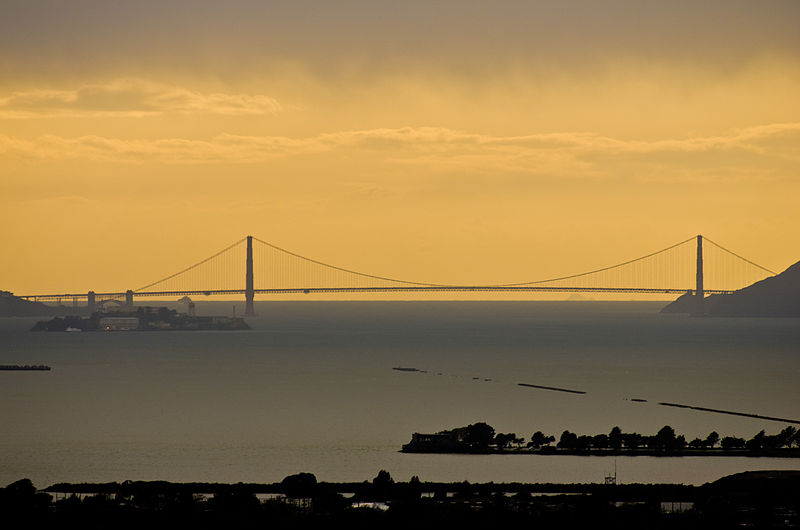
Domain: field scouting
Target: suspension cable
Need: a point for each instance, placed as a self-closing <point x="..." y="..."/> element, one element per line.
<point x="599" y="270"/>
<point x="738" y="256"/>
<point x="310" y="260"/>
<point x="187" y="269"/>
<point x="334" y="267"/>
<point x="407" y="282"/>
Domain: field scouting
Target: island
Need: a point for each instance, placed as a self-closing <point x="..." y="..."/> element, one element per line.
<point x="141" y="319"/>
<point x="480" y="438"/>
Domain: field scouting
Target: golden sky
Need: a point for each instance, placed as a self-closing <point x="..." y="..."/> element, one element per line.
<point x="449" y="142"/>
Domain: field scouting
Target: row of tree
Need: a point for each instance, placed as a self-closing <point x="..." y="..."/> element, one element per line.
<point x="482" y="435"/>
<point x="666" y="440"/>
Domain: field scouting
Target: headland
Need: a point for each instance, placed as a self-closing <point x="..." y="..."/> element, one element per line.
<point x="776" y="296"/>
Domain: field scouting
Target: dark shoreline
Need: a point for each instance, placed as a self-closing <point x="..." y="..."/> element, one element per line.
<point x="731" y="453"/>
<point x="359" y="489"/>
<point x="752" y="499"/>
<point x="306" y="485"/>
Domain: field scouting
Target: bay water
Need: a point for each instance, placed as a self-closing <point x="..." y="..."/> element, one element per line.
<point x="312" y="388"/>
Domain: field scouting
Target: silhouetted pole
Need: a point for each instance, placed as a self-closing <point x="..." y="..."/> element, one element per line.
<point x="129" y="298"/>
<point x="699" y="309"/>
<point x="90" y="302"/>
<point x="249" y="294"/>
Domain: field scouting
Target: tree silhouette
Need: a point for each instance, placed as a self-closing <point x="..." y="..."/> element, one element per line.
<point x="632" y="440"/>
<point x="382" y="485"/>
<point x="786" y="435"/>
<point x="583" y="443"/>
<point x="731" y="442"/>
<point x="756" y="443"/>
<point x="480" y="434"/>
<point x="383" y="479"/>
<point x="568" y="440"/>
<point x="615" y="438"/>
<point x="712" y="439"/>
<point x="299" y="485"/>
<point x="504" y="439"/>
<point x="664" y="440"/>
<point x="414" y="487"/>
<point x="539" y="439"/>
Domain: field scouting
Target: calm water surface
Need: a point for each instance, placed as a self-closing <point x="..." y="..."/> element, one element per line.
<point x="311" y="388"/>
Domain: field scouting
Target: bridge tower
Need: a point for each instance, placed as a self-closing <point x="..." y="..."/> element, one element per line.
<point x="249" y="293"/>
<point x="128" y="298"/>
<point x="90" y="302"/>
<point x="699" y="308"/>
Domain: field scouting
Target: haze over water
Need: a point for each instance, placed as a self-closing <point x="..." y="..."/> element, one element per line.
<point x="311" y="388"/>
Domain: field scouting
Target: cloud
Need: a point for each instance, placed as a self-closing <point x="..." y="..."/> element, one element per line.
<point x="203" y="35"/>
<point x="130" y="98"/>
<point x="760" y="150"/>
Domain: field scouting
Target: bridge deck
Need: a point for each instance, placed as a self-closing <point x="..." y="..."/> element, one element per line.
<point x="397" y="289"/>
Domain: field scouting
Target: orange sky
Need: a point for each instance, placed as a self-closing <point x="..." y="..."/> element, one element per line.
<point x="459" y="142"/>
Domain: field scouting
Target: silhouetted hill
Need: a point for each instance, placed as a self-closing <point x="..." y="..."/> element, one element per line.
<point x="14" y="306"/>
<point x="683" y="304"/>
<point x="776" y="296"/>
<point x="775" y="485"/>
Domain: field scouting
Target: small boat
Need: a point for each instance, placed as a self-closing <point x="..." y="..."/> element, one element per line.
<point x="71" y="329"/>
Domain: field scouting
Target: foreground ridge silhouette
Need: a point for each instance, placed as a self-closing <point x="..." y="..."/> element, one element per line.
<point x="758" y="499"/>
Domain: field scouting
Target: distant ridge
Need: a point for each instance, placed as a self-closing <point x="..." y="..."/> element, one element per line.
<point x="14" y="306"/>
<point x="776" y="296"/>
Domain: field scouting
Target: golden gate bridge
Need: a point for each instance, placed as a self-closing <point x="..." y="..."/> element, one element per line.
<point x="683" y="267"/>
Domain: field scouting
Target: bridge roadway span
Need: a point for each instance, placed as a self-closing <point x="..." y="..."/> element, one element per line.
<point x="395" y="289"/>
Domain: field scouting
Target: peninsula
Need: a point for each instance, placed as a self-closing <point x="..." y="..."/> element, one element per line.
<point x="14" y="306"/>
<point x="480" y="438"/>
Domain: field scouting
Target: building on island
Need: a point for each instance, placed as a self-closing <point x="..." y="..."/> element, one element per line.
<point x="118" y="323"/>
